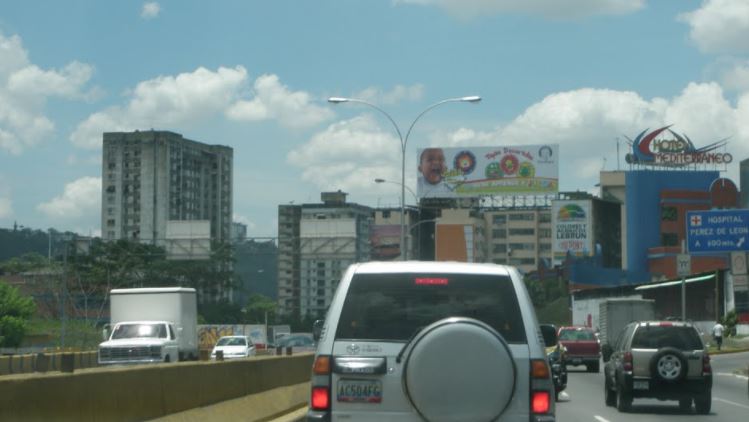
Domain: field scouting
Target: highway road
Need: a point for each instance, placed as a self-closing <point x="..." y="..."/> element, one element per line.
<point x="583" y="400"/>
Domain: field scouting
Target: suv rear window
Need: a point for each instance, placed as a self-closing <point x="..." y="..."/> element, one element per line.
<point x="392" y="307"/>
<point x="658" y="336"/>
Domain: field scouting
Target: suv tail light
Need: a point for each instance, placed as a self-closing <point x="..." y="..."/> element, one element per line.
<point x="321" y="365"/>
<point x="628" y="361"/>
<point x="320" y="398"/>
<point x="707" y="369"/>
<point x="540" y="368"/>
<point x="540" y="402"/>
<point x="320" y="395"/>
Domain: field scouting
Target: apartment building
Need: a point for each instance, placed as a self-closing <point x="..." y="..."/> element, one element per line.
<point x="151" y="178"/>
<point x="518" y="237"/>
<point x="317" y="242"/>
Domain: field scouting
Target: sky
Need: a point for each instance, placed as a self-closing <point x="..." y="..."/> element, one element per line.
<point x="256" y="75"/>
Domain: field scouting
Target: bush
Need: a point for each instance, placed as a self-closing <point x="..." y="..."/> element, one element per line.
<point x="15" y="310"/>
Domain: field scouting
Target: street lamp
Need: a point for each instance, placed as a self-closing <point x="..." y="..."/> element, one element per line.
<point x="404" y="142"/>
<point x="404" y="255"/>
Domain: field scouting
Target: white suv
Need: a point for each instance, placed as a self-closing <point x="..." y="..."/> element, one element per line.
<point x="435" y="341"/>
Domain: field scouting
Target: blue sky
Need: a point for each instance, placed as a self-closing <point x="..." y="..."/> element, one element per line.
<point x="255" y="75"/>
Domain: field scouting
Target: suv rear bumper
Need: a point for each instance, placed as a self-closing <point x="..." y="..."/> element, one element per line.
<point x="667" y="390"/>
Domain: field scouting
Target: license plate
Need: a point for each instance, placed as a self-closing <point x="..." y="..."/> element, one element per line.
<point x="640" y="385"/>
<point x="359" y="391"/>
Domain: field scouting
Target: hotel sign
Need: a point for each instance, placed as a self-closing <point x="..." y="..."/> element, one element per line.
<point x="679" y="151"/>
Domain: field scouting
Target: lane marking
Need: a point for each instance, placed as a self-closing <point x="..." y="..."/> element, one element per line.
<point x="726" y="374"/>
<point x="600" y="418"/>
<point x="731" y="402"/>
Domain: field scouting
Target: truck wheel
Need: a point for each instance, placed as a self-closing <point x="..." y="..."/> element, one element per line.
<point x="703" y="403"/>
<point x="623" y="400"/>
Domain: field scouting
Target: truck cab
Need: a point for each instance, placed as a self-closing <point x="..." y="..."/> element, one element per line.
<point x="140" y="342"/>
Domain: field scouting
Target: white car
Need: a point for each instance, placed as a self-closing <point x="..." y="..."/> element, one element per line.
<point x="435" y="341"/>
<point x="234" y="347"/>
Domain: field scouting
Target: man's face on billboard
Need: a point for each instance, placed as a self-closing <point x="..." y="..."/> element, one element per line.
<point x="432" y="165"/>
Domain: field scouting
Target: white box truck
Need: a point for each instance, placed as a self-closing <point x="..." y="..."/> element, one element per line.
<point x="615" y="314"/>
<point x="151" y="325"/>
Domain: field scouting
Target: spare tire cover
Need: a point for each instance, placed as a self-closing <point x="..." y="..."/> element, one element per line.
<point x="459" y="369"/>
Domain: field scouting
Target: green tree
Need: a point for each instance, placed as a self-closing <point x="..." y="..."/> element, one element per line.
<point x="26" y="262"/>
<point x="258" y="307"/>
<point x="15" y="311"/>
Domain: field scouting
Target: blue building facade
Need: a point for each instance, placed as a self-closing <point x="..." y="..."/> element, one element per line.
<point x="643" y="188"/>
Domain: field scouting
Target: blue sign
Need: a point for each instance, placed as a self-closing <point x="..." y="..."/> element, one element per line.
<point x="718" y="231"/>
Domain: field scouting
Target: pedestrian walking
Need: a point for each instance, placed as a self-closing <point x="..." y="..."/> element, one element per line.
<point x="718" y="334"/>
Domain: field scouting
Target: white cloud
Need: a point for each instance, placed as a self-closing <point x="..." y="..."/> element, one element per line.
<point x="735" y="77"/>
<point x="150" y="10"/>
<point x="165" y="101"/>
<point x="82" y="197"/>
<point x="467" y="9"/>
<point x="397" y="94"/>
<point x="274" y="100"/>
<point x="720" y="26"/>
<point x="188" y="98"/>
<point x="349" y="155"/>
<point x="25" y="89"/>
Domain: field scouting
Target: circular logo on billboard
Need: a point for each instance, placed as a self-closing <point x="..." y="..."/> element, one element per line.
<point x="465" y="161"/>
<point x="527" y="170"/>
<point x="509" y="164"/>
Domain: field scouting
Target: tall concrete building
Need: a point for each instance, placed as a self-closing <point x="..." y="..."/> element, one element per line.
<point x="152" y="178"/>
<point x="519" y="237"/>
<point x="316" y="243"/>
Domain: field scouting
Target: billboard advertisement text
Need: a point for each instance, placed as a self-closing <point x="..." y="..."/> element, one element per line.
<point x="571" y="229"/>
<point x="487" y="171"/>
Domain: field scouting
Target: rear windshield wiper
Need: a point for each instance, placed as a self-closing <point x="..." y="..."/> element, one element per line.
<point x="410" y="339"/>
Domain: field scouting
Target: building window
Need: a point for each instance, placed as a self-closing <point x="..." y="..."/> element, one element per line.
<point x="499" y="233"/>
<point x="523" y="246"/>
<point x="522" y="232"/>
<point x="544" y="247"/>
<point x="544" y="218"/>
<point x="669" y="213"/>
<point x="669" y="239"/>
<point x="522" y="217"/>
<point x="544" y="233"/>
<point x="499" y="248"/>
<point x="499" y="219"/>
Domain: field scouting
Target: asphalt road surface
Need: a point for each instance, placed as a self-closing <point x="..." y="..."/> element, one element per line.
<point x="583" y="400"/>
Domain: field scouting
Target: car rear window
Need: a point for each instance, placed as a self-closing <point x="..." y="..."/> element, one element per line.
<point x="392" y="307"/>
<point x="576" y="335"/>
<point x="658" y="336"/>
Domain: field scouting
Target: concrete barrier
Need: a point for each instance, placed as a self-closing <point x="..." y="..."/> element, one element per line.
<point x="148" y="391"/>
<point x="28" y="363"/>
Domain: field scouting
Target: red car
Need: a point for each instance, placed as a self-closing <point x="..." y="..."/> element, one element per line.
<point x="583" y="347"/>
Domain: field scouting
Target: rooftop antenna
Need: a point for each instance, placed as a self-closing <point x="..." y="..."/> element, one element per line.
<point x="617" y="154"/>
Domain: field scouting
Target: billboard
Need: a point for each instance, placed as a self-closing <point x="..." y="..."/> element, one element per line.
<point x="487" y="171"/>
<point x="571" y="229"/>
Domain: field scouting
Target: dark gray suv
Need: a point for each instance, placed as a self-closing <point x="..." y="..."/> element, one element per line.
<point x="665" y="360"/>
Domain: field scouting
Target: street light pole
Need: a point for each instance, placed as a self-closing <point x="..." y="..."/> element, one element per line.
<point x="403" y="143"/>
